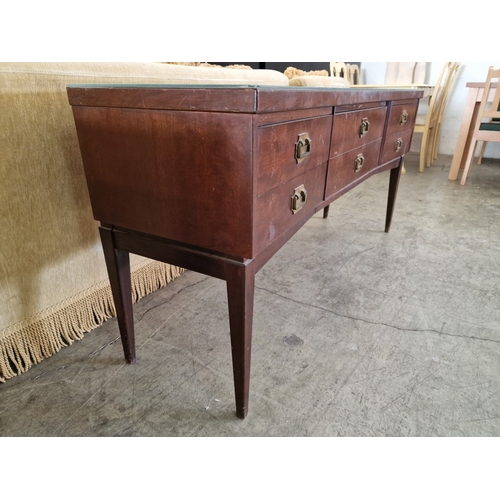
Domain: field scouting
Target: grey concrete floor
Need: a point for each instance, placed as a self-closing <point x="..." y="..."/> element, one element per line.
<point x="356" y="333"/>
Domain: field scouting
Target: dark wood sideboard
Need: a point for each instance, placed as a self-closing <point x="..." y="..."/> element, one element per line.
<point x="217" y="179"/>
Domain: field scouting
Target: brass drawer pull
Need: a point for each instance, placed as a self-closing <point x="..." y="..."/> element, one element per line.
<point x="364" y="127"/>
<point x="403" y="118"/>
<point x="358" y="162"/>
<point x="299" y="198"/>
<point x="398" y="145"/>
<point x="302" y="147"/>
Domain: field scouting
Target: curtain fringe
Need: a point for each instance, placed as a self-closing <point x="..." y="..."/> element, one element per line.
<point x="34" y="339"/>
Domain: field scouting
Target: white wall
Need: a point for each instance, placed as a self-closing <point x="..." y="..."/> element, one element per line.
<point x="374" y="72"/>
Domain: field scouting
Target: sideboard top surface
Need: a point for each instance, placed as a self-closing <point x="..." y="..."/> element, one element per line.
<point x="228" y="98"/>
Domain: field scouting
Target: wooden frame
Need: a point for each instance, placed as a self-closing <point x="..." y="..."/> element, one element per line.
<point x="487" y="111"/>
<point x="431" y="126"/>
<point x="205" y="178"/>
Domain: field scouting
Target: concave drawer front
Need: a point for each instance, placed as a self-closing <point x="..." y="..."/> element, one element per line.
<point x="402" y="117"/>
<point x="351" y="167"/>
<point x="274" y="210"/>
<point x="286" y="150"/>
<point x="356" y="128"/>
<point x="396" y="145"/>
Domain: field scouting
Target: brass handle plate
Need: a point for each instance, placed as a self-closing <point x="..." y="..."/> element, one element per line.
<point x="364" y="127"/>
<point x="299" y="198"/>
<point x="403" y="118"/>
<point x="398" y="145"/>
<point x="359" y="162"/>
<point x="302" y="147"/>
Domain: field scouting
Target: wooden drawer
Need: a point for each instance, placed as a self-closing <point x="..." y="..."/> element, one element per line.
<point x="396" y="145"/>
<point x="275" y="150"/>
<point x="345" y="170"/>
<point x="273" y="210"/>
<point x="346" y="129"/>
<point x="402" y="117"/>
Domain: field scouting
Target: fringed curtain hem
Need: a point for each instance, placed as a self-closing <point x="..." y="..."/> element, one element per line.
<point x="27" y="343"/>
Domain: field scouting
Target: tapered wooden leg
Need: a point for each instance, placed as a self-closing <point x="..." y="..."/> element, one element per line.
<point x="469" y="157"/>
<point x="118" y="265"/>
<point x="423" y="152"/>
<point x="393" y="191"/>
<point x="240" y="281"/>
<point x="325" y="211"/>
<point x="465" y="134"/>
<point x="481" y="153"/>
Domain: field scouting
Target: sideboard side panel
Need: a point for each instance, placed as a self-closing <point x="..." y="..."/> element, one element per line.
<point x="181" y="175"/>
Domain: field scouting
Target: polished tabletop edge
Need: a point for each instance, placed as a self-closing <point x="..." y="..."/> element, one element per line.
<point x="480" y="85"/>
<point x="394" y="86"/>
<point x="243" y="86"/>
<point x="228" y="98"/>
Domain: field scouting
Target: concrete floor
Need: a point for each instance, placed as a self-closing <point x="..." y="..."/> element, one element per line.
<point x="356" y="333"/>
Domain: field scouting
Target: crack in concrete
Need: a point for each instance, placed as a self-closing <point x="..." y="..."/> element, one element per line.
<point x="172" y="297"/>
<point x="107" y="344"/>
<point x="103" y="346"/>
<point x="415" y="330"/>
